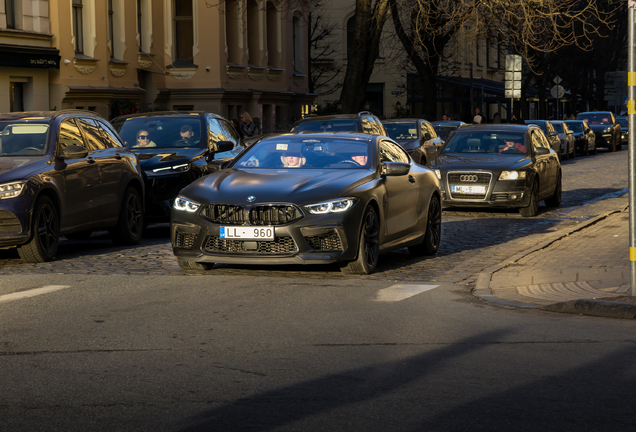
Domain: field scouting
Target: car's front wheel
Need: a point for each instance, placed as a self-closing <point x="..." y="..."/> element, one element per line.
<point x="130" y="225"/>
<point x="368" y="246"/>
<point x="46" y="233"/>
<point x="533" y="206"/>
<point x="433" y="235"/>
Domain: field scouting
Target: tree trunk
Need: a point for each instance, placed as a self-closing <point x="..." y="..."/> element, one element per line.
<point x="365" y="47"/>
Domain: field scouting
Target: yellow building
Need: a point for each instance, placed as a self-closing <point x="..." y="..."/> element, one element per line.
<point x="27" y="56"/>
<point x="225" y="57"/>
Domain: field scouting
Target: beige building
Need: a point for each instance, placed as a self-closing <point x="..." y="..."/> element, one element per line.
<point x="225" y="57"/>
<point x="27" y="55"/>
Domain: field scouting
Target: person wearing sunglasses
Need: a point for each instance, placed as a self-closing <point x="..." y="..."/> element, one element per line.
<point x="143" y="139"/>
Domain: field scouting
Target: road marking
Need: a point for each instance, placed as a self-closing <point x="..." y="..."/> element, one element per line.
<point x="32" y="293"/>
<point x="399" y="292"/>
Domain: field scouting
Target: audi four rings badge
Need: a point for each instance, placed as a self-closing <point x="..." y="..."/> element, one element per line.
<point x="467" y="178"/>
<point x="251" y="198"/>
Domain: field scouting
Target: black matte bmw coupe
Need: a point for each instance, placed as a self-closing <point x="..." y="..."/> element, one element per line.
<point x="309" y="198"/>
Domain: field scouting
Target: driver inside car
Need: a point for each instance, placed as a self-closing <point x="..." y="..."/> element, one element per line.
<point x="512" y="145"/>
<point x="292" y="160"/>
<point x="360" y="158"/>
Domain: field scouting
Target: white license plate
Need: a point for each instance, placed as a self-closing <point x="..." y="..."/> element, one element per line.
<point x="248" y="233"/>
<point x="473" y="190"/>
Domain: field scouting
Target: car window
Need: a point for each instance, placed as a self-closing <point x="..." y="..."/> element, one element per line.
<point x="23" y="138"/>
<point x="558" y="127"/>
<point x="111" y="140"/>
<point x="69" y="135"/>
<point x="92" y="134"/>
<point x="180" y="131"/>
<point x="390" y="152"/>
<point x="320" y="125"/>
<point x="539" y="140"/>
<point x="596" y="119"/>
<point x="378" y="126"/>
<point x="368" y="125"/>
<point x="505" y="143"/>
<point x="401" y="130"/>
<point x="429" y="127"/>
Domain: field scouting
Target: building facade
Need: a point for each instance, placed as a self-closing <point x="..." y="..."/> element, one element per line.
<point x="27" y="55"/>
<point x="120" y="56"/>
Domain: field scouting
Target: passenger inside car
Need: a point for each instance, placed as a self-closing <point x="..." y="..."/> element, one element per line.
<point x="292" y="160"/>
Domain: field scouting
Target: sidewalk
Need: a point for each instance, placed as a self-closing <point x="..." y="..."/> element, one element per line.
<point x="584" y="271"/>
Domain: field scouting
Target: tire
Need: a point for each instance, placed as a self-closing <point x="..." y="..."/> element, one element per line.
<point x="595" y="150"/>
<point x="82" y="235"/>
<point x="555" y="199"/>
<point x="533" y="207"/>
<point x="368" y="246"/>
<point x="193" y="265"/>
<point x="45" y="233"/>
<point x="573" y="152"/>
<point x="619" y="143"/>
<point x="586" y="150"/>
<point x="612" y="146"/>
<point x="130" y="224"/>
<point x="433" y="235"/>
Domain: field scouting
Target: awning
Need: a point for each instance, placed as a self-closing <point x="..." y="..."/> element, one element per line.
<point x="29" y="56"/>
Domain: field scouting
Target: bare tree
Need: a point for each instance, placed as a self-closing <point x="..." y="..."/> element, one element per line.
<point x="325" y="72"/>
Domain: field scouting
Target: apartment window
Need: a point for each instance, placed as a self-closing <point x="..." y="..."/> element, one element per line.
<point x="298" y="47"/>
<point x="110" y="29"/>
<point x="253" y="36"/>
<point x="139" y="26"/>
<point x="183" y="30"/>
<point x="9" y="10"/>
<point x="273" y="59"/>
<point x="232" y="32"/>
<point x="78" y="26"/>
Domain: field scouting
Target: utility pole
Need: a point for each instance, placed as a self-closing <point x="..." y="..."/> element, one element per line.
<point x="631" y="114"/>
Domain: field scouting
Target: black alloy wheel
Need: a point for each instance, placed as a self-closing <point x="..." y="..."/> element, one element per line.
<point x="130" y="225"/>
<point x="433" y="234"/>
<point x="533" y="206"/>
<point x="46" y="233"/>
<point x="368" y="246"/>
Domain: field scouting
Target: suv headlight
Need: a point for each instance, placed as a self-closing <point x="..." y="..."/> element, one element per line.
<point x="11" y="190"/>
<point x="173" y="168"/>
<point x="512" y="175"/>
<point x="333" y="206"/>
<point x="184" y="204"/>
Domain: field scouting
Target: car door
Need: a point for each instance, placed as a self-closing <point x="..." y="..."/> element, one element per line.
<point x="544" y="164"/>
<point x="402" y="194"/>
<point x="115" y="168"/>
<point x="430" y="146"/>
<point x="82" y="194"/>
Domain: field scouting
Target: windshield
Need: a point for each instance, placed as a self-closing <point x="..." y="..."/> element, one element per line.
<point x="23" y="138"/>
<point x="487" y="142"/>
<point x="401" y="131"/>
<point x="327" y="126"/>
<point x="542" y="125"/>
<point x="595" y="119"/>
<point x="308" y="153"/>
<point x="624" y="123"/>
<point x="576" y="126"/>
<point x="179" y="131"/>
<point x="445" y="131"/>
<point x="558" y="127"/>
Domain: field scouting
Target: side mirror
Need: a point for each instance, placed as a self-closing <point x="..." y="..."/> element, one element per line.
<point x="395" y="168"/>
<point x="427" y="136"/>
<point x="74" y="152"/>
<point x="223" y="146"/>
<point x="543" y="151"/>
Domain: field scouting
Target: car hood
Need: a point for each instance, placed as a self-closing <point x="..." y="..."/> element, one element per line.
<point x="162" y="157"/>
<point x="447" y="162"/>
<point x="275" y="185"/>
<point x="17" y="168"/>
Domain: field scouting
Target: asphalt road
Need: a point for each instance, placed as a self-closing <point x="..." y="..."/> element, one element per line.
<point x="115" y="344"/>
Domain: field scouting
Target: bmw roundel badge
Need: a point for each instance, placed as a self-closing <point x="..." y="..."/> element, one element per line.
<point x="251" y="198"/>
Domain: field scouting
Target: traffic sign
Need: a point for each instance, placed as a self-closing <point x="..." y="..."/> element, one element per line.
<point x="557" y="79"/>
<point x="557" y="92"/>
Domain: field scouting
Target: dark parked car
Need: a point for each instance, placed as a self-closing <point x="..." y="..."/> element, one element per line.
<point x="416" y="136"/>
<point x="605" y="127"/>
<point x="364" y="122"/>
<point x="446" y="128"/>
<point x="499" y="165"/>
<point x="624" y="122"/>
<point x="65" y="173"/>
<point x="568" y="148"/>
<point x="176" y="148"/>
<point x="550" y="133"/>
<point x="584" y="138"/>
<point x="309" y="199"/>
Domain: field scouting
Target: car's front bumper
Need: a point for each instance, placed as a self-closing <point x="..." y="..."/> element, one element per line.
<point x="15" y="217"/>
<point x="499" y="194"/>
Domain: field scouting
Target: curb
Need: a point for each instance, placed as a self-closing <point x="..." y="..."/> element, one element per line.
<point x="592" y="307"/>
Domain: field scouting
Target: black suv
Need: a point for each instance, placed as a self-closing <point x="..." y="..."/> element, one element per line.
<point x="605" y="127"/>
<point x="174" y="149"/>
<point x="364" y="122"/>
<point x="65" y="173"/>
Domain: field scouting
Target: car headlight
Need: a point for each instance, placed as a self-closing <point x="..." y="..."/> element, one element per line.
<point x="184" y="204"/>
<point x="11" y="190"/>
<point x="333" y="206"/>
<point x="438" y="173"/>
<point x="608" y="130"/>
<point x="173" y="168"/>
<point x="512" y="175"/>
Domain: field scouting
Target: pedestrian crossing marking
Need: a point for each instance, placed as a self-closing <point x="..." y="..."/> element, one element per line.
<point x="32" y="292"/>
<point x="400" y="292"/>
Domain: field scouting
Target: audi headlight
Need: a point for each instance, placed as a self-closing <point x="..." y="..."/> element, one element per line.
<point x="608" y="130"/>
<point x="438" y="173"/>
<point x="173" y="168"/>
<point x="333" y="206"/>
<point x="512" y="175"/>
<point x="184" y="204"/>
<point x="11" y="190"/>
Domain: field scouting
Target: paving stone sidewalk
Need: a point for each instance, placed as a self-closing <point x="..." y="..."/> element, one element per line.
<point x="590" y="262"/>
